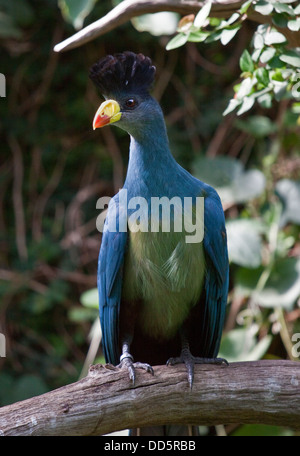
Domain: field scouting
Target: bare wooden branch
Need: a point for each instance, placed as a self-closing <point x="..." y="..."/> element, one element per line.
<point x="265" y="391"/>
<point x="128" y="9"/>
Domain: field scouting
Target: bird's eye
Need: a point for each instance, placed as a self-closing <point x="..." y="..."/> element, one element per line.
<point x="130" y="103"/>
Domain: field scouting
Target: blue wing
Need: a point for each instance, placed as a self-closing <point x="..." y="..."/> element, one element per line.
<point x="217" y="271"/>
<point x="110" y="272"/>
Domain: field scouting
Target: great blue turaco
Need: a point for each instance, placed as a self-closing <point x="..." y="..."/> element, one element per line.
<point x="162" y="299"/>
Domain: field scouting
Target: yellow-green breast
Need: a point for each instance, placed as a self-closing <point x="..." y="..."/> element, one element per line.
<point x="165" y="273"/>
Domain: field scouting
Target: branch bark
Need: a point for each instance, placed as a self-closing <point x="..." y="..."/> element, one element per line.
<point x="265" y="391"/>
<point x="128" y="9"/>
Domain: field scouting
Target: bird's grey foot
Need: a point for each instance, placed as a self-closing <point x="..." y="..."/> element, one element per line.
<point x="189" y="360"/>
<point x="127" y="362"/>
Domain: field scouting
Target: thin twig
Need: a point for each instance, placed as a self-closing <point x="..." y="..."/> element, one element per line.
<point x="50" y="187"/>
<point x="17" y="197"/>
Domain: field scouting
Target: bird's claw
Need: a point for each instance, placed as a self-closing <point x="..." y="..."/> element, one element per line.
<point x="189" y="360"/>
<point x="126" y="361"/>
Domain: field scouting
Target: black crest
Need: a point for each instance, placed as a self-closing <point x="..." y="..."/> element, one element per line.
<point x="124" y="72"/>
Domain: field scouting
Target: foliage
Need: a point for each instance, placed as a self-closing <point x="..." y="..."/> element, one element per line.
<point x="75" y="11"/>
<point x="54" y="168"/>
<point x="271" y="71"/>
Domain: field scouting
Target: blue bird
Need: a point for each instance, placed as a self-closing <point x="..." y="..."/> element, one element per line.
<point x="162" y="290"/>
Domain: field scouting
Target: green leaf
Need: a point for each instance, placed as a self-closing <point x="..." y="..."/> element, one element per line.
<point x="233" y="103"/>
<point x="255" y="55"/>
<point x="274" y="38"/>
<point x="241" y="345"/>
<point x="296" y="108"/>
<point x="263" y="29"/>
<point x="294" y="24"/>
<point x="75" y="11"/>
<point x="262" y="76"/>
<point x="234" y="17"/>
<point x="90" y="298"/>
<point x="214" y="36"/>
<point x="283" y="286"/>
<point x="244" y="242"/>
<point x="177" y="41"/>
<point x="228" y="34"/>
<point x="279" y="20"/>
<point x="279" y="89"/>
<point x="289" y="193"/>
<point x="282" y="8"/>
<point x="202" y="15"/>
<point x="245" y="88"/>
<point x="267" y="55"/>
<point x="246" y="63"/>
<point x="81" y="314"/>
<point x="245" y="6"/>
<point x="275" y="63"/>
<point x="258" y="40"/>
<point x="265" y="100"/>
<point x="247" y="104"/>
<point x="277" y="75"/>
<point x="215" y="21"/>
<point x="291" y="57"/>
<point x="158" y="24"/>
<point x="257" y="126"/>
<point x="198" y="37"/>
<point x="228" y="177"/>
<point x="246" y="280"/>
<point x="259" y="430"/>
<point x="263" y="7"/>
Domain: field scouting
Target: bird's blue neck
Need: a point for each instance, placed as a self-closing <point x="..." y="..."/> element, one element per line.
<point x="151" y="164"/>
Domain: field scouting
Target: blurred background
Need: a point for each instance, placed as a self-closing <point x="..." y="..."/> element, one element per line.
<point x="54" y="167"/>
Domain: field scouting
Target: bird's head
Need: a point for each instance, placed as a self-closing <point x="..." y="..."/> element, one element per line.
<point x="124" y="80"/>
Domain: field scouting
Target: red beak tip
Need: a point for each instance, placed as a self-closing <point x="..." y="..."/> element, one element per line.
<point x="100" y="121"/>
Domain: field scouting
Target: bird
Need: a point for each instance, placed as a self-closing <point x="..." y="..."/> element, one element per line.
<point x="162" y="293"/>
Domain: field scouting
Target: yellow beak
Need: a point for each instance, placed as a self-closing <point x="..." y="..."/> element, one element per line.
<point x="107" y="113"/>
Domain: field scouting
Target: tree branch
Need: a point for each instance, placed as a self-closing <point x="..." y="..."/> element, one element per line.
<point x="128" y="9"/>
<point x="265" y="391"/>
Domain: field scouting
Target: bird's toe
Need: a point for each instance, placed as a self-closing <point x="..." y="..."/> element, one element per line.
<point x="173" y="361"/>
<point x="126" y="361"/>
<point x="144" y="366"/>
<point x="189" y="360"/>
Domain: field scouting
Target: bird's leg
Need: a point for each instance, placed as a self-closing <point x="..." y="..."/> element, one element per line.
<point x="189" y="360"/>
<point x="128" y="315"/>
<point x="127" y="362"/>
